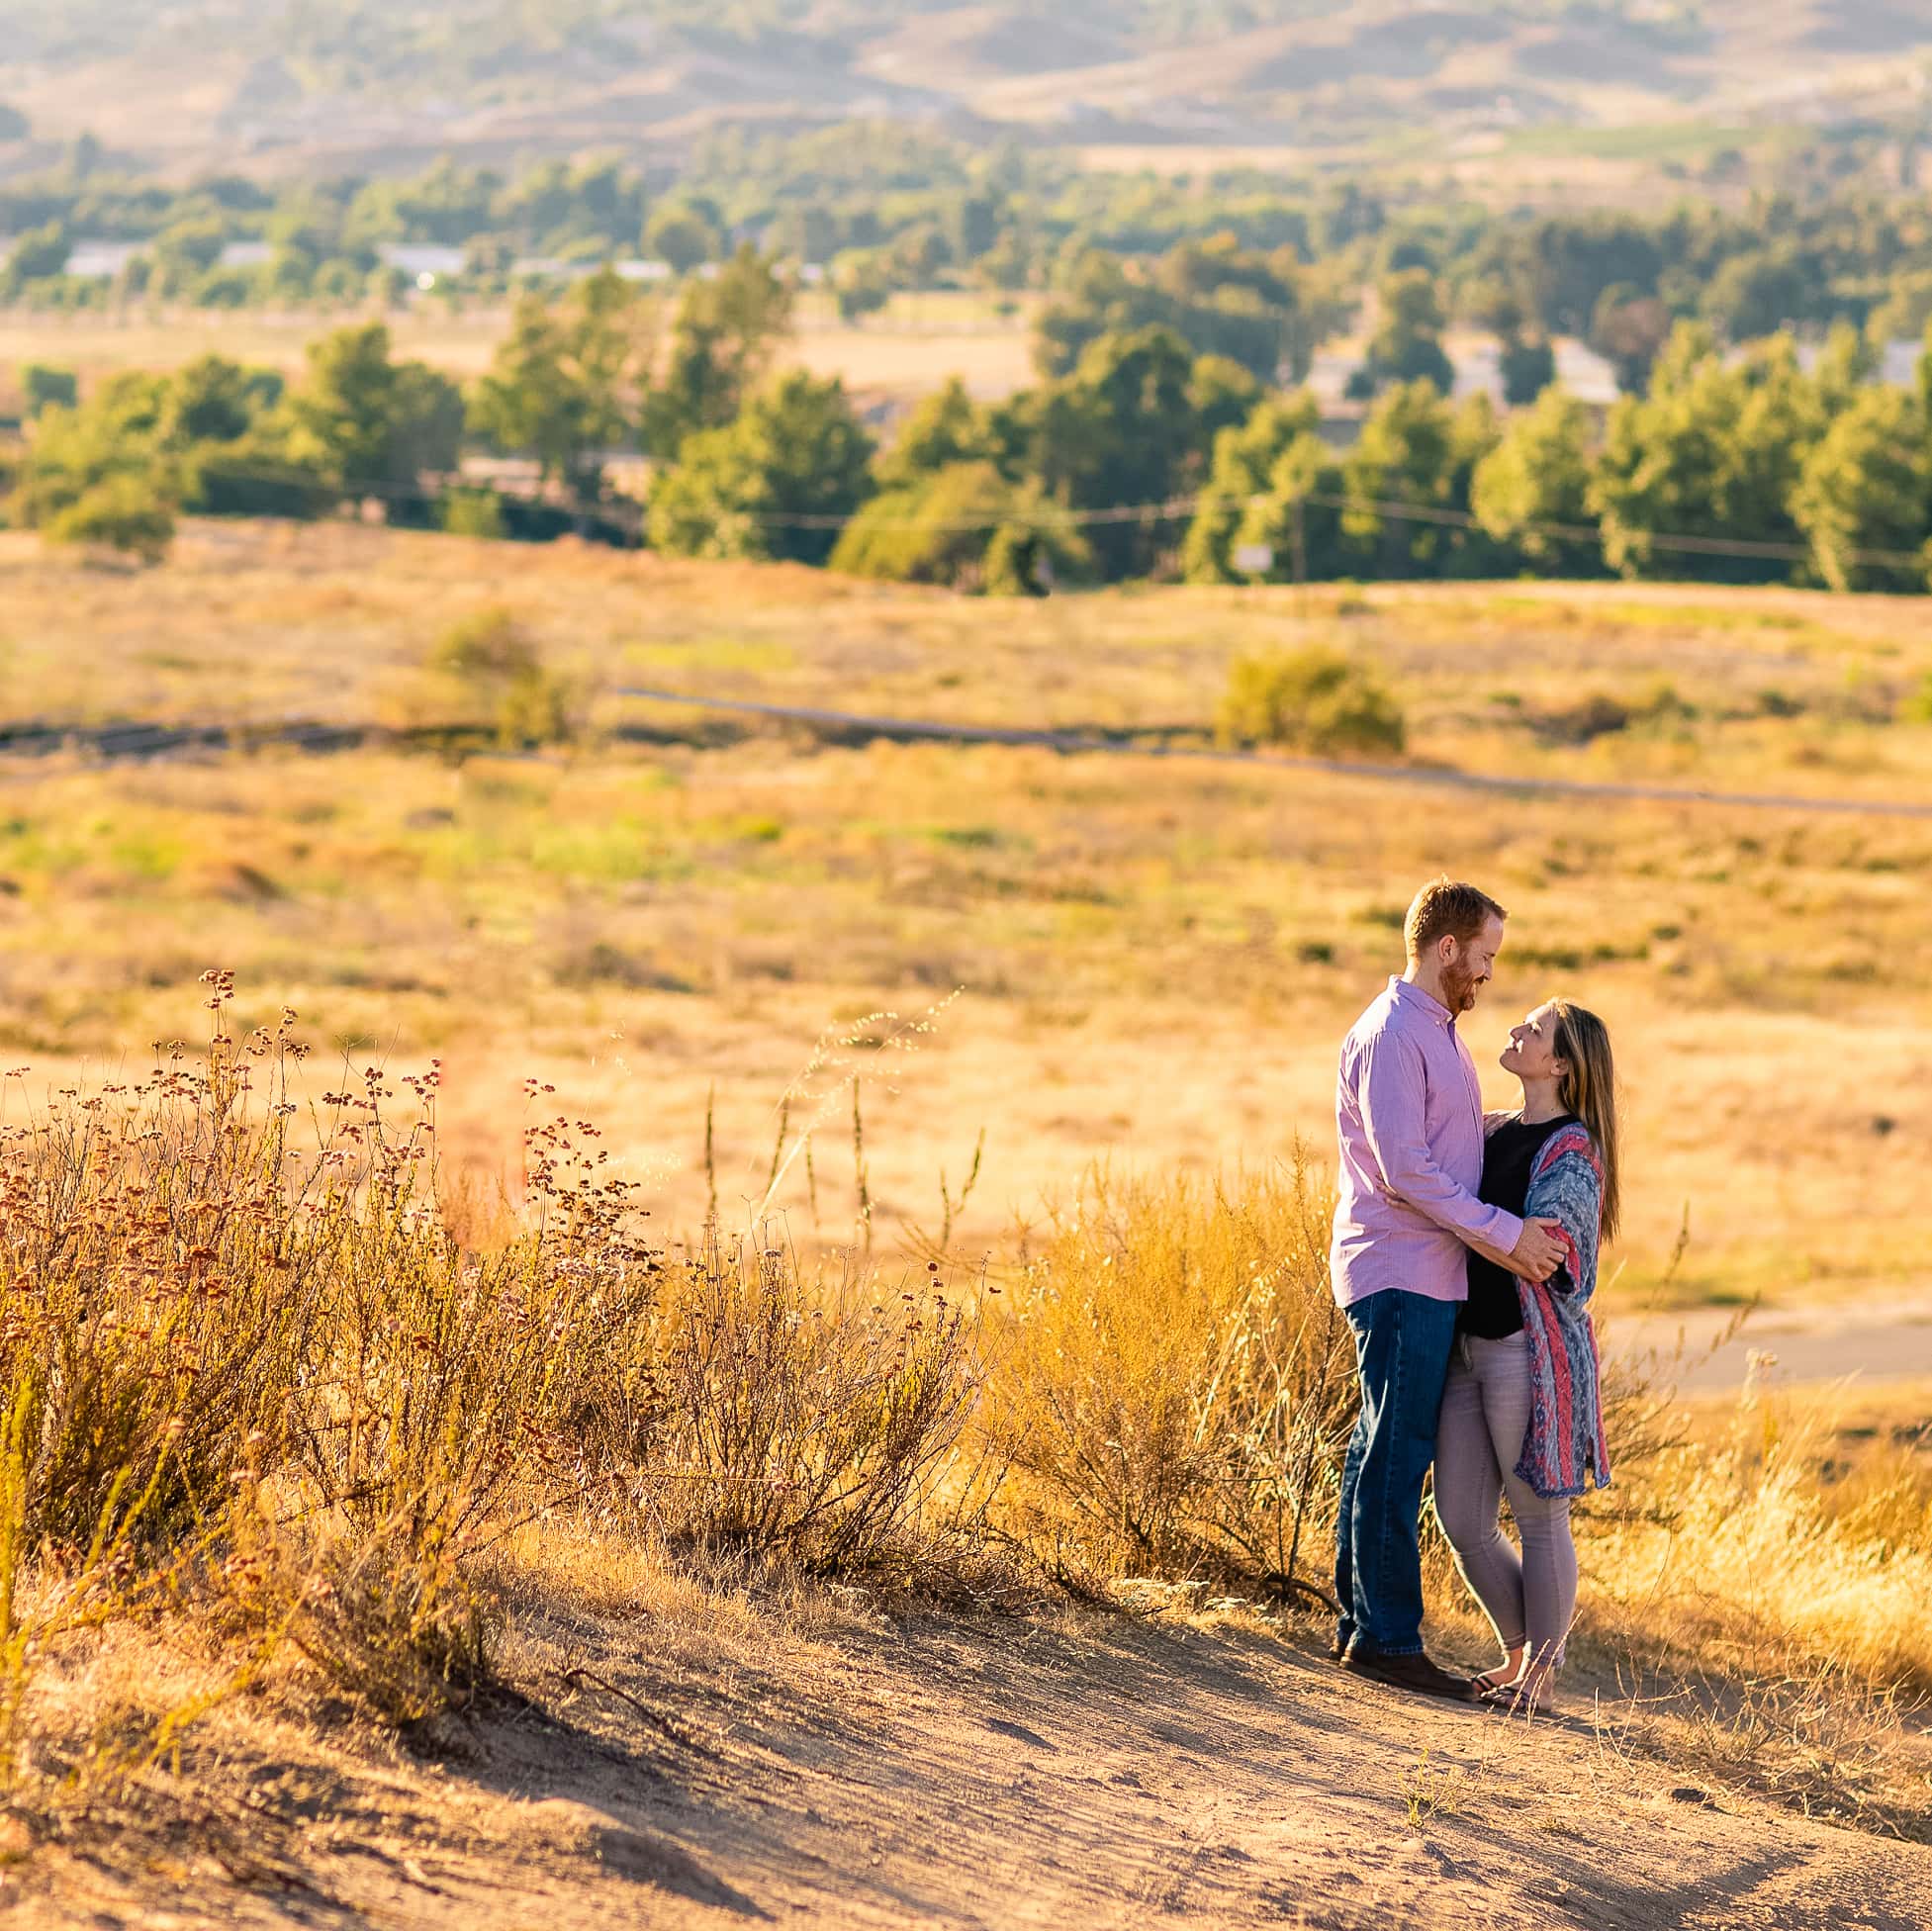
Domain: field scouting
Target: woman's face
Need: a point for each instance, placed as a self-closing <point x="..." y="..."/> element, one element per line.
<point x="1532" y="1052"/>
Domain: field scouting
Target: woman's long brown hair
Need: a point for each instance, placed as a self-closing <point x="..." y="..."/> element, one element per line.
<point x="1589" y="1090"/>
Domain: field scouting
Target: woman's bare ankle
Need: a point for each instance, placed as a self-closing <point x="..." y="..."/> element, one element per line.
<point x="1505" y="1673"/>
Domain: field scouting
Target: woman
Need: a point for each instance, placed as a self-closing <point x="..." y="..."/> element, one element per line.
<point x="1522" y="1416"/>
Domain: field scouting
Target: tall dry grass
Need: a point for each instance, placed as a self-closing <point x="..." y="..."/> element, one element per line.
<point x="248" y="1366"/>
<point x="255" y="1368"/>
<point x="1171" y="1388"/>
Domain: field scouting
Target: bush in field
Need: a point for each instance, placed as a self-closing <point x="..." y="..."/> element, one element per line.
<point x="1171" y="1381"/>
<point x="228" y="1335"/>
<point x="1314" y="698"/>
<point x="812" y="1421"/>
<point x="499" y="682"/>
<point x="472" y="512"/>
<point x="245" y="1364"/>
<point x="120" y="513"/>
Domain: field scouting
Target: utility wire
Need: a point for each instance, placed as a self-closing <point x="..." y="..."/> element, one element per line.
<point x="631" y="517"/>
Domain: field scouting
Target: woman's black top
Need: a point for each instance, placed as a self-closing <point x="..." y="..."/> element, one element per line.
<point x="1494" y="1311"/>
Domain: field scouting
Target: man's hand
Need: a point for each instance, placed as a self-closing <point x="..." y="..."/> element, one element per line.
<point x="1538" y="1254"/>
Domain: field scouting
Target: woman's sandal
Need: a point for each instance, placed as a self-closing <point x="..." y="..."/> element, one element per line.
<point x="1516" y="1699"/>
<point x="1490" y="1683"/>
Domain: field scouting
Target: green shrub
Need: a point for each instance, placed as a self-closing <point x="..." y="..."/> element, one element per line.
<point x="120" y="513"/>
<point x="500" y="680"/>
<point x="964" y="525"/>
<point x="472" y="512"/>
<point x="1915" y="707"/>
<point x="1314" y="698"/>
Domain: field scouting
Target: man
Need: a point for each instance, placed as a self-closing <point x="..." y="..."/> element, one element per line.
<point x="1408" y="1112"/>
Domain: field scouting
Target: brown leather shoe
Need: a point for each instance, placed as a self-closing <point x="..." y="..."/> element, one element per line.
<point x="1415" y="1673"/>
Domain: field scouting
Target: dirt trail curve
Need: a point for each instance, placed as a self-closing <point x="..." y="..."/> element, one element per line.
<point x="1091" y="1775"/>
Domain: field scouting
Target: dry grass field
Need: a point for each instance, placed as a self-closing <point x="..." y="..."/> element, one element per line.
<point x="1155" y="957"/>
<point x="912" y="345"/>
<point x="576" y="1580"/>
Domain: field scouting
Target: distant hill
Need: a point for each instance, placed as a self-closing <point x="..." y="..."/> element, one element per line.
<point x="357" y="82"/>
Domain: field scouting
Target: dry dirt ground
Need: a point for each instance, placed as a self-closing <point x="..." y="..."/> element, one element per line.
<point x="703" y="1761"/>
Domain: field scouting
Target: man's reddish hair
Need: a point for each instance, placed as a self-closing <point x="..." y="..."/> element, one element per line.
<point x="1444" y="909"/>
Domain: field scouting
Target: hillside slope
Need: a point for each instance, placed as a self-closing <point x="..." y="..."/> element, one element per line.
<point x="211" y="81"/>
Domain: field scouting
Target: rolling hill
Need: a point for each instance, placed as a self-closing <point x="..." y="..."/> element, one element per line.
<point x="296" y="82"/>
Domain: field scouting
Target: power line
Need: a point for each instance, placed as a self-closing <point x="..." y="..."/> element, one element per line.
<point x="633" y="518"/>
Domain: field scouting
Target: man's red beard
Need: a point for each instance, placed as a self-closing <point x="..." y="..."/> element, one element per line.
<point x="1459" y="982"/>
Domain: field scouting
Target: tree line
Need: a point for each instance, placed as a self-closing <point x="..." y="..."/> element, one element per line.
<point x="882" y="208"/>
<point x="1138" y="453"/>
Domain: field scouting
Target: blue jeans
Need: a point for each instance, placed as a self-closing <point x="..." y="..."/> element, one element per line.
<point x="1403" y="1343"/>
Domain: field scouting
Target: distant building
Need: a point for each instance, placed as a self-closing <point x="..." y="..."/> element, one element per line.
<point x="418" y="258"/>
<point x="101" y="261"/>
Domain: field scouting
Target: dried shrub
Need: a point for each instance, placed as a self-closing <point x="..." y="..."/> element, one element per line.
<point x="1173" y="1385"/>
<point x="808" y="1420"/>
<point x="158" y="1286"/>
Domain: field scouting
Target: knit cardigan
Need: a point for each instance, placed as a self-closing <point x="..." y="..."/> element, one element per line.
<point x="1564" y="1447"/>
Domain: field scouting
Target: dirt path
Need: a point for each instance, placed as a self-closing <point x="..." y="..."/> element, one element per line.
<point x="1870" y="1336"/>
<point x="30" y="740"/>
<point x="1085" y="1773"/>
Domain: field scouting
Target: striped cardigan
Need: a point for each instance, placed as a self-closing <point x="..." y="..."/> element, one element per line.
<point x="1565" y="1448"/>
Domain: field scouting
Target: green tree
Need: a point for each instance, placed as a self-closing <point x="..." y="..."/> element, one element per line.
<point x="186" y="250"/>
<point x="1299" y="515"/>
<point x="116" y="432"/>
<point x="214" y="400"/>
<point x="35" y="257"/>
<point x="1539" y="474"/>
<point x="1218" y="299"/>
<point x="680" y="239"/>
<point x="1713" y="450"/>
<point x="726" y="331"/>
<point x="568" y="384"/>
<point x="1759" y="292"/>
<point x="122" y="512"/>
<point x="778" y="482"/>
<point x="1629" y="330"/>
<point x="45" y="388"/>
<point x="967" y="526"/>
<point x="365" y="421"/>
<point x="1126" y="427"/>
<point x="945" y="428"/>
<point x="1245" y="457"/>
<point x="1407" y="346"/>
<point x="1528" y="367"/>
<point x="1867" y="485"/>
<point x="862" y="285"/>
<point x="1418" y="449"/>
<point x="221" y="423"/>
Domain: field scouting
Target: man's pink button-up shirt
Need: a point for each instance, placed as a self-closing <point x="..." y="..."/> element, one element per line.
<point x="1408" y="1112"/>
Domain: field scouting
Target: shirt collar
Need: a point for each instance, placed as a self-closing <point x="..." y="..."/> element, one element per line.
<point x="1408" y="993"/>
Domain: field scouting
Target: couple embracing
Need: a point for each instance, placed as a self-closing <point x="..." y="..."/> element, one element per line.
<point x="1464" y="1259"/>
